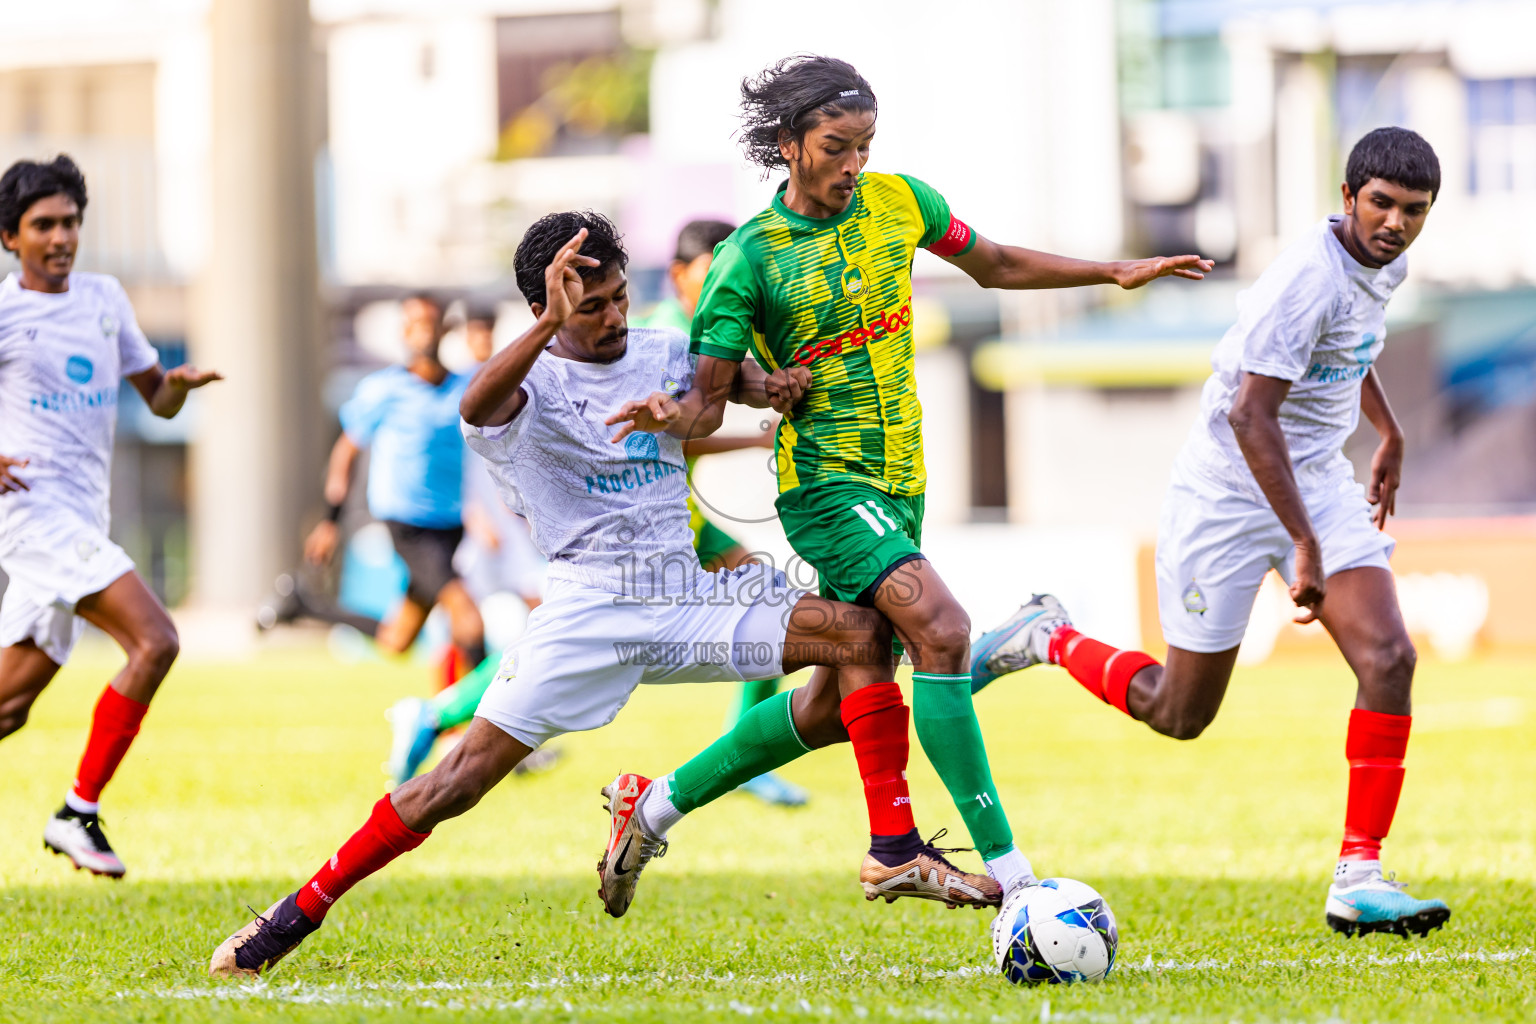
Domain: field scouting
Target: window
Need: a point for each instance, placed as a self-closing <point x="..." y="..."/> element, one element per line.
<point x="1501" y="122"/>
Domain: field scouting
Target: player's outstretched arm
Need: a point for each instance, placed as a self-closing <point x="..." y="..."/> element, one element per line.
<point x="1008" y="266"/>
<point x="495" y="394"/>
<point x="165" y="391"/>
<point x="321" y="543"/>
<point x="1387" y="463"/>
<point x="1255" y="420"/>
<point x="717" y="445"/>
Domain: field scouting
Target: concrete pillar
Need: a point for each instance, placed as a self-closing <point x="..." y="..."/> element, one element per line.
<point x="257" y="454"/>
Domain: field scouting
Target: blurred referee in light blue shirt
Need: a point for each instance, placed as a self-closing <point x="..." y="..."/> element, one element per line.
<point x="408" y="418"/>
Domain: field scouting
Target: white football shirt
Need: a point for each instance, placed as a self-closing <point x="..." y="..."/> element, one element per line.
<point x="62" y="358"/>
<point x="612" y="516"/>
<point x="1316" y="318"/>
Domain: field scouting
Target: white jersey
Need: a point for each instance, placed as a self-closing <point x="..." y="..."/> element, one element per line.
<point x="1316" y="318"/>
<point x="611" y="516"/>
<point x="62" y="358"/>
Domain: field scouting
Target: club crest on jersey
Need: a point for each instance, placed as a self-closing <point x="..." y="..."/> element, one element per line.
<point x="79" y="369"/>
<point x="642" y="447"/>
<point x="854" y="285"/>
<point x="108" y="325"/>
<point x="1194" y="600"/>
<point x="671" y="386"/>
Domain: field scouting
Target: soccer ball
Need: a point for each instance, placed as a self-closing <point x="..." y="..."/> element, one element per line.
<point x="1059" y="931"/>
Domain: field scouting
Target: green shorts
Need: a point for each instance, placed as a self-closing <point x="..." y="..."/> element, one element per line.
<point x="853" y="534"/>
<point x="710" y="542"/>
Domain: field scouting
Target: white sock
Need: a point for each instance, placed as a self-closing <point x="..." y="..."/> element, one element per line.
<point x="1353" y="872"/>
<point x="656" y="812"/>
<point x="1011" y="870"/>
<point x="79" y="806"/>
<point x="1040" y="642"/>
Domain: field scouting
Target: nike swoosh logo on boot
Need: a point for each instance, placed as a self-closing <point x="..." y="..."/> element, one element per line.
<point x="618" y="865"/>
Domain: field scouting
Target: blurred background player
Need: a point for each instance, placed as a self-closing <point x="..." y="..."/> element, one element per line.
<point x="66" y="341"/>
<point x="407" y="417"/>
<point x="716" y="548"/>
<point x="497" y="556"/>
<point x="823" y="279"/>
<point x="1263" y="484"/>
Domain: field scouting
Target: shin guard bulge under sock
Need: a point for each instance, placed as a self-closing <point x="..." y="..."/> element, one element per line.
<point x="114" y="724"/>
<point x="382" y="838"/>
<point x="876" y="718"/>
<point x="763" y="740"/>
<point x="1103" y="671"/>
<point x="1375" y="747"/>
<point x="951" y="737"/>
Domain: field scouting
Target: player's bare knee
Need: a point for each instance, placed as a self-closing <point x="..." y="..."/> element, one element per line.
<point x="946" y="640"/>
<point x="1391" y="663"/>
<point x="10" y="721"/>
<point x="156" y="651"/>
<point x="1180" y="723"/>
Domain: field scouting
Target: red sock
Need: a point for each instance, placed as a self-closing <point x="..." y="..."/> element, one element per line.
<point x="450" y="668"/>
<point x="382" y="838"/>
<point x="1375" y="746"/>
<point x="1103" y="670"/>
<point x="876" y="719"/>
<point x="114" y="724"/>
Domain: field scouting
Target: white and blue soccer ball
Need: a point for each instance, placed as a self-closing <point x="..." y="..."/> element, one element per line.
<point x="1058" y="932"/>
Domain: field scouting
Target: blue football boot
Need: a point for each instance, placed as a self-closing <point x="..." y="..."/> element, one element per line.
<point x="1017" y="644"/>
<point x="1379" y="904"/>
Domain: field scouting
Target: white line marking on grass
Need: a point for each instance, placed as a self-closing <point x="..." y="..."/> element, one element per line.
<point x="1342" y="960"/>
<point x="378" y="994"/>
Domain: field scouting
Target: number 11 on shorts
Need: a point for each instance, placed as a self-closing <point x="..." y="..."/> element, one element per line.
<point x="874" y="524"/>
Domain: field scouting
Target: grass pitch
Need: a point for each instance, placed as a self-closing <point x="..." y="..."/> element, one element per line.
<point x="1215" y="856"/>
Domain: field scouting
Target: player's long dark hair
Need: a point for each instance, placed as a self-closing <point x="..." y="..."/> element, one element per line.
<point x="794" y="95"/>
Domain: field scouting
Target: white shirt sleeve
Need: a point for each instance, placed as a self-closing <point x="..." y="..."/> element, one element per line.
<point x="1288" y="316"/>
<point x="681" y="364"/>
<point x="135" y="353"/>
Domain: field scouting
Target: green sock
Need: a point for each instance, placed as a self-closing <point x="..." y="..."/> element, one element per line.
<point x="752" y="693"/>
<point x="764" y="739"/>
<point x="951" y="737"/>
<point x="456" y="705"/>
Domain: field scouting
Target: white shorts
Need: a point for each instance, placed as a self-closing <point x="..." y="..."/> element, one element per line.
<point x="1215" y="544"/>
<point x="50" y="569"/>
<point x="587" y="649"/>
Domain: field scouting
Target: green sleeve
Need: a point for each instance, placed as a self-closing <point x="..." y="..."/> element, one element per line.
<point x="934" y="209"/>
<point x="728" y="306"/>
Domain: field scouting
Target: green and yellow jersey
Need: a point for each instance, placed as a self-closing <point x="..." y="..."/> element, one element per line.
<point x="835" y="295"/>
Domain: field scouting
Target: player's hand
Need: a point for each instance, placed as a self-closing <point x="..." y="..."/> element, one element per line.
<point x="1135" y="273"/>
<point x="786" y="386"/>
<point x="1386" y="476"/>
<point x="320" y="545"/>
<point x="1308" y="589"/>
<point x="9" y="481"/>
<point x="657" y="412"/>
<point x="186" y="377"/>
<point x="563" y="287"/>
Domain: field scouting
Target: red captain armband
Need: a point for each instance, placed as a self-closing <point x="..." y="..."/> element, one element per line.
<point x="957" y="241"/>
